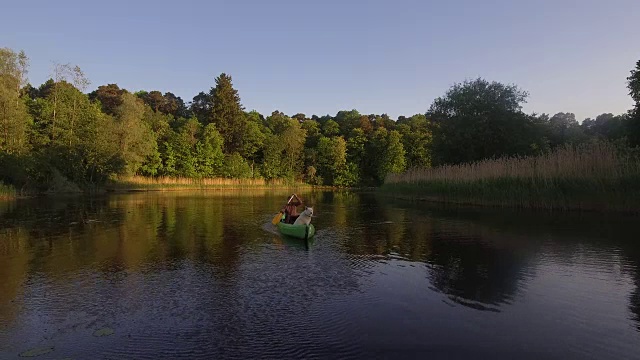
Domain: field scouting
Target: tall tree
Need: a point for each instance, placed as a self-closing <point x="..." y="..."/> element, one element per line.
<point x="480" y="119"/>
<point x="174" y="105"/>
<point x="332" y="158"/>
<point x="14" y="118"/>
<point x="80" y="82"/>
<point x="283" y="152"/>
<point x="416" y="140"/>
<point x="347" y="121"/>
<point x="633" y="121"/>
<point x="134" y="137"/>
<point x="201" y="107"/>
<point x="386" y="153"/>
<point x="331" y="128"/>
<point x="564" y="129"/>
<point x="209" y="152"/>
<point x="109" y="96"/>
<point x="154" y="99"/>
<point x="254" y="137"/>
<point x="227" y="113"/>
<point x="604" y="126"/>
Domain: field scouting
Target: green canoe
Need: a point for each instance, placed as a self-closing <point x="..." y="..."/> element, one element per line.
<point x="297" y="231"/>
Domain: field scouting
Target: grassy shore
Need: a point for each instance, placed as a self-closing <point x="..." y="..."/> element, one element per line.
<point x="597" y="176"/>
<point x="137" y="183"/>
<point x="7" y="191"/>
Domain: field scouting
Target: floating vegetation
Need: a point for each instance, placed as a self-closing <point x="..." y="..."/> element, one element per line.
<point x="36" y="352"/>
<point x="103" y="332"/>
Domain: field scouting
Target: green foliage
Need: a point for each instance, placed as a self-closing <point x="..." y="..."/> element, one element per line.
<point x="6" y="191"/>
<point x="347" y="121"/>
<point x="134" y="137"/>
<point x="152" y="165"/>
<point x="109" y="96"/>
<point x="236" y="167"/>
<point x="416" y="140"/>
<point x="633" y="83"/>
<point x="347" y="176"/>
<point x="167" y="104"/>
<point x="312" y="128"/>
<point x="331" y="128"/>
<point x="56" y="134"/>
<point x="356" y="147"/>
<point x="278" y="122"/>
<point x="479" y="119"/>
<point x="227" y="114"/>
<point x="14" y="118"/>
<point x="273" y="165"/>
<point x="332" y="159"/>
<point x="209" y="152"/>
<point x="253" y="138"/>
<point x="311" y="176"/>
<point x="633" y="120"/>
<point x="605" y="126"/>
<point x="201" y="106"/>
<point x="387" y="154"/>
<point x="284" y="148"/>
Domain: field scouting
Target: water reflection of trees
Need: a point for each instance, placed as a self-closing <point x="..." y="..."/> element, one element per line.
<point x="114" y="236"/>
<point x="478" y="257"/>
<point x="472" y="272"/>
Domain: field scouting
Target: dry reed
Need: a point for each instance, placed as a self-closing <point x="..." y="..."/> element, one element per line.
<point x="592" y="176"/>
<point x="172" y="183"/>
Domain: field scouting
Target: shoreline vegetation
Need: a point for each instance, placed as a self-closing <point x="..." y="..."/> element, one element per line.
<point x="66" y="136"/>
<point x="160" y="184"/>
<point x="598" y="176"/>
<point x="142" y="183"/>
<point x="7" y="191"/>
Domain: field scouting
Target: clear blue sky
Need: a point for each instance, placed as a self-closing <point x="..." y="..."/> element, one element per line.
<point x="318" y="57"/>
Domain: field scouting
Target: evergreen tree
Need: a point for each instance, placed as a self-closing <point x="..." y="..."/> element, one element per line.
<point x="227" y="114"/>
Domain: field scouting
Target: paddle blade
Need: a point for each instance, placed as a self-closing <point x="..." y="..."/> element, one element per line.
<point x="276" y="219"/>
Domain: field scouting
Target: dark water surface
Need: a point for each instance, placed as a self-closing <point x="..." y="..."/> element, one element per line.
<point x="203" y="275"/>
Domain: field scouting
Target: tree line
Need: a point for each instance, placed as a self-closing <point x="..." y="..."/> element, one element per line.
<point x="58" y="130"/>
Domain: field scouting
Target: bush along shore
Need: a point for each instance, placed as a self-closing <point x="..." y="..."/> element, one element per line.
<point x="596" y="176"/>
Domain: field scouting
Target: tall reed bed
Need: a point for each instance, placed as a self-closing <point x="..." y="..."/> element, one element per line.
<point x="7" y="191"/>
<point x="592" y="176"/>
<point x="172" y="183"/>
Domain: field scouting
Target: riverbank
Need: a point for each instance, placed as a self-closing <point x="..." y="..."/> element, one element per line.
<point x="140" y="183"/>
<point x="597" y="176"/>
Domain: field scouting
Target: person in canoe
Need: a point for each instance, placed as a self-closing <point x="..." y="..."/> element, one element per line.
<point x="291" y="209"/>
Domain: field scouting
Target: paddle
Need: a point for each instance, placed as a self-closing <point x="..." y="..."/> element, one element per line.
<point x="276" y="219"/>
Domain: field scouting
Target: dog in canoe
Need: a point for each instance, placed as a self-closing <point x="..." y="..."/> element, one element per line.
<point x="305" y="217"/>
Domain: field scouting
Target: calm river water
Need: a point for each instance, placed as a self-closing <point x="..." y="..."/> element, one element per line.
<point x="203" y="275"/>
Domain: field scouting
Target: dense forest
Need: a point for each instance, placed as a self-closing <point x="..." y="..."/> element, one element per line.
<point x="59" y="136"/>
